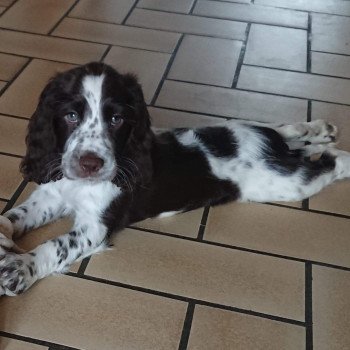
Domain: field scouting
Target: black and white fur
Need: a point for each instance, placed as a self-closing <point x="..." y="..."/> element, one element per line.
<point x="93" y="153"/>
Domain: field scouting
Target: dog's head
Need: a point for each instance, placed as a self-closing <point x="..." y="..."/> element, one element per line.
<point x="91" y="123"/>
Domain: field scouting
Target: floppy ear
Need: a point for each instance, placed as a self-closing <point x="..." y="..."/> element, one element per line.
<point x="39" y="161"/>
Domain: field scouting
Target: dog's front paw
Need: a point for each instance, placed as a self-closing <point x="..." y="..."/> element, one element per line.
<point x="17" y="273"/>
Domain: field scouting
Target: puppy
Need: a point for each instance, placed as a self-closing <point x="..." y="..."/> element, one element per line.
<point x="91" y="149"/>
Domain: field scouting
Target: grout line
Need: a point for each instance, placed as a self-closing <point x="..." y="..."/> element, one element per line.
<point x="63" y="17"/>
<point x="308" y="48"/>
<point x="166" y="71"/>
<point x="16" y="76"/>
<point x="36" y="341"/>
<point x="243" y="249"/>
<point x="188" y="299"/>
<point x="83" y="266"/>
<point x="105" y="53"/>
<point x="305" y="204"/>
<point x="241" y="58"/>
<point x="186" y="330"/>
<point x="308" y="306"/>
<point x="192" y="7"/>
<point x="15" y="196"/>
<point x="332" y="53"/>
<point x="130" y="11"/>
<point x="8" y="7"/>
<point x="309" y="110"/>
<point x="11" y="155"/>
<point x="203" y="223"/>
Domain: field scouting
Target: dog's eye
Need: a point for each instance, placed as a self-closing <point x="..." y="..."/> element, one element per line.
<point x="72" y="117"/>
<point x="116" y="121"/>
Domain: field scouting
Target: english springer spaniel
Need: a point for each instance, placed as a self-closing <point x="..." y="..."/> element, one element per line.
<point x="91" y="149"/>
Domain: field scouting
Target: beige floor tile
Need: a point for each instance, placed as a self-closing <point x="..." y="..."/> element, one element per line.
<point x="113" y="11"/>
<point x="50" y="48"/>
<point x="2" y="85"/>
<point x="89" y="315"/>
<point x="148" y="66"/>
<point x="330" y="33"/>
<point x="337" y="114"/>
<point x="231" y="103"/>
<point x="331" y="305"/>
<point x="197" y="60"/>
<point x="276" y="47"/>
<point x="12" y="135"/>
<point x="181" y="6"/>
<point x="6" y="2"/>
<point x="10" y="177"/>
<point x="187" y="24"/>
<point x="334" y="199"/>
<point x="10" y="65"/>
<point x="328" y="64"/>
<point x="214" y="329"/>
<point x="166" y="118"/>
<point x="29" y="85"/>
<point x="295" y="84"/>
<point x="186" y="224"/>
<point x="13" y="344"/>
<point x="37" y="16"/>
<point x="283" y="231"/>
<point x="117" y="35"/>
<point x="326" y="6"/>
<point x="205" y="272"/>
<point x="251" y="13"/>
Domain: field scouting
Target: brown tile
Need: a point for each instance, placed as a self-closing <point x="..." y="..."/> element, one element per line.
<point x="214" y="329"/>
<point x="326" y="6"/>
<point x="251" y="13"/>
<point x="330" y="33"/>
<point x="13" y="344"/>
<point x="197" y="60"/>
<point x="186" y="224"/>
<point x="118" y="35"/>
<point x="187" y="24"/>
<point x="147" y="65"/>
<point x="50" y="48"/>
<point x="29" y="85"/>
<point x="6" y="2"/>
<point x="295" y="84"/>
<point x="331" y="305"/>
<point x="282" y="231"/>
<point x="12" y="135"/>
<point x="113" y="11"/>
<point x="231" y="103"/>
<point x="10" y="65"/>
<point x="2" y="85"/>
<point x="276" y="47"/>
<point x="328" y="64"/>
<point x="10" y="177"/>
<point x="181" y="6"/>
<point x="166" y="118"/>
<point x="334" y="199"/>
<point x="337" y="114"/>
<point x="89" y="315"/>
<point x="2" y="205"/>
<point x="205" y="272"/>
<point x="37" y="16"/>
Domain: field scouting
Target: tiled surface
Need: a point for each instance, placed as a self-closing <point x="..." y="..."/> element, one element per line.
<point x="197" y="60"/>
<point x="220" y="329"/>
<point x="267" y="46"/>
<point x="231" y="278"/>
<point x="331" y="304"/>
<point x="244" y="276"/>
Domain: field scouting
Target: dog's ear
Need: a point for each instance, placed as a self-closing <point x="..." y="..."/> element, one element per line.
<point x="39" y="161"/>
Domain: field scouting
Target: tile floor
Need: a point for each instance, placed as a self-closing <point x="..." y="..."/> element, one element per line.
<point x="240" y="276"/>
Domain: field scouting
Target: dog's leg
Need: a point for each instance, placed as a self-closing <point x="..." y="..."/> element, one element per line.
<point x="19" y="271"/>
<point x="43" y="206"/>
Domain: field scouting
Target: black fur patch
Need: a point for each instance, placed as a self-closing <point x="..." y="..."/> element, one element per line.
<point x="218" y="140"/>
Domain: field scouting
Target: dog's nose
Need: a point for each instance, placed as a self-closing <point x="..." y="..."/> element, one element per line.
<point x="90" y="163"/>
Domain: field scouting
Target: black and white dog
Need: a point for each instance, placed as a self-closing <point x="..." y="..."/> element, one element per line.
<point x="91" y="149"/>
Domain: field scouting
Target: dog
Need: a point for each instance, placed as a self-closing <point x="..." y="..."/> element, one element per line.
<point x="91" y="149"/>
